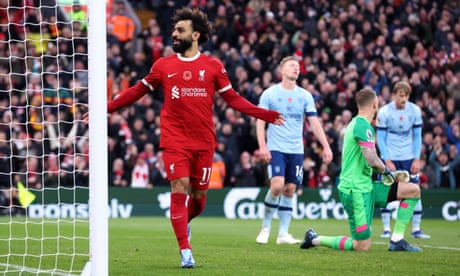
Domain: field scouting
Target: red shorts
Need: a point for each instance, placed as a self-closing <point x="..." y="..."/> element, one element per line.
<point x="195" y="164"/>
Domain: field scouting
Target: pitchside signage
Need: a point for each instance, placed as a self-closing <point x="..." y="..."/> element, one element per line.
<point x="241" y="203"/>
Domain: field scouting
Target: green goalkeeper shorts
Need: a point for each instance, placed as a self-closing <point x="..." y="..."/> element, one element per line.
<point x="360" y="208"/>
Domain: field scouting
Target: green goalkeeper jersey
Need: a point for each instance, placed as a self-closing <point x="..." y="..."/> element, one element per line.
<point x="356" y="174"/>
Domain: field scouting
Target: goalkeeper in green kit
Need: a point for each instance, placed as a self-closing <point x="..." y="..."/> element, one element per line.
<point x="359" y="194"/>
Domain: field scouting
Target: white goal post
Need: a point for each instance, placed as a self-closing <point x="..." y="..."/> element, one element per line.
<point x="98" y="194"/>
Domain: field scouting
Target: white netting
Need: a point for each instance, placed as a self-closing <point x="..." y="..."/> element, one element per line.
<point x="43" y="141"/>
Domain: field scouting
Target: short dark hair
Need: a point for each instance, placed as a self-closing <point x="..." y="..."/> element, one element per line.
<point x="200" y="22"/>
<point x="365" y="97"/>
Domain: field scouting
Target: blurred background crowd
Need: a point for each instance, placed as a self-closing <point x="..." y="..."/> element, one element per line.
<point x="341" y="45"/>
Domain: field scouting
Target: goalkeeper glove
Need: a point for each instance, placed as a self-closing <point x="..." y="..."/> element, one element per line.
<point x="402" y="175"/>
<point x="388" y="177"/>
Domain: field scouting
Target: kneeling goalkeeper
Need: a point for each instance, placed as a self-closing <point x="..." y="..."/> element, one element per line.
<point x="359" y="194"/>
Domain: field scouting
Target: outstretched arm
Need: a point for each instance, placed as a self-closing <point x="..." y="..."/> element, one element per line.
<point x="128" y="97"/>
<point x="241" y="104"/>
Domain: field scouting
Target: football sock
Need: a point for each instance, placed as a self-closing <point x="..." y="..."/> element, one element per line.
<point x="179" y="219"/>
<point x="285" y="214"/>
<point x="271" y="205"/>
<point x="386" y="215"/>
<point x="405" y="211"/>
<point x="417" y="216"/>
<point x="338" y="242"/>
<point x="195" y="207"/>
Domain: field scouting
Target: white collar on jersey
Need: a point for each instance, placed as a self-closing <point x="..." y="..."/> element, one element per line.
<point x="190" y="58"/>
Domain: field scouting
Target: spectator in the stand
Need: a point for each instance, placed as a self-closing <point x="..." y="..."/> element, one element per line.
<point x="33" y="176"/>
<point x="453" y="133"/>
<point x="231" y="143"/>
<point x="150" y="156"/>
<point x="226" y="155"/>
<point x="218" y="172"/>
<point x="5" y="166"/>
<point x="52" y="174"/>
<point x="444" y="162"/>
<point x="78" y="14"/>
<point x="140" y="173"/>
<point x="137" y="67"/>
<point x="80" y="170"/>
<point x="121" y="25"/>
<point x="158" y="173"/>
<point x="153" y="41"/>
<point x="244" y="173"/>
<point x="375" y="76"/>
<point x="119" y="177"/>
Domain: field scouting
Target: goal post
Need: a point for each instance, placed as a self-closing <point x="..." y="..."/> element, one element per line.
<point x="98" y="185"/>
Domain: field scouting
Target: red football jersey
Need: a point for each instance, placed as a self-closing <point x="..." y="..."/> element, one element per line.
<point x="189" y="85"/>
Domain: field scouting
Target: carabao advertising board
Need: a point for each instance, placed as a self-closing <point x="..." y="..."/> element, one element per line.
<point x="236" y="203"/>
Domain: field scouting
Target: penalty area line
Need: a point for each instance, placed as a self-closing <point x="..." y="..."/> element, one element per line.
<point x="18" y="268"/>
<point x="428" y="246"/>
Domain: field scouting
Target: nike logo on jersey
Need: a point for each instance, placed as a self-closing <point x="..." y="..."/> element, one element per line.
<point x="171" y="75"/>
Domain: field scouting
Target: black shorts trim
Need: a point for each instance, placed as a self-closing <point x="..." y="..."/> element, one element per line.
<point x="393" y="193"/>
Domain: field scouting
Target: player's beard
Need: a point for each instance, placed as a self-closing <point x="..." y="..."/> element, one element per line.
<point x="400" y="105"/>
<point x="182" y="46"/>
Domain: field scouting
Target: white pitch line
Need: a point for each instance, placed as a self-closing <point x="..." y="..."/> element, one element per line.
<point x="429" y="246"/>
<point x="34" y="270"/>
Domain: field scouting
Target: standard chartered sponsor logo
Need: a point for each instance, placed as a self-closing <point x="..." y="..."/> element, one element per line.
<point x="241" y="203"/>
<point x="451" y="211"/>
<point x="193" y="92"/>
<point x="175" y="92"/>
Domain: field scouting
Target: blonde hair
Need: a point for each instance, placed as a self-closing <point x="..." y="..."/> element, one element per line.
<point x="404" y="86"/>
<point x="286" y="59"/>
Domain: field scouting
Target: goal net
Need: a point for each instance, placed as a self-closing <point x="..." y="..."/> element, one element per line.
<point x="46" y="202"/>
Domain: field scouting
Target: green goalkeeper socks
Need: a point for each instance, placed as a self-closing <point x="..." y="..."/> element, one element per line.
<point x="405" y="211"/>
<point x="338" y="242"/>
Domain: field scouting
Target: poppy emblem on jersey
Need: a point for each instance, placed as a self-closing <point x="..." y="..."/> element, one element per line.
<point x="187" y="75"/>
<point x="401" y="118"/>
<point x="290" y="100"/>
<point x="201" y="73"/>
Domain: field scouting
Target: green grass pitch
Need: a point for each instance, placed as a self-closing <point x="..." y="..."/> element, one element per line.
<point x="146" y="246"/>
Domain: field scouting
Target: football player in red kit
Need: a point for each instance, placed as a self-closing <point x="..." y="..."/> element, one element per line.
<point x="189" y="80"/>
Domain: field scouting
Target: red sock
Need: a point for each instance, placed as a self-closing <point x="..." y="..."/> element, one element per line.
<point x="195" y="207"/>
<point x="179" y="218"/>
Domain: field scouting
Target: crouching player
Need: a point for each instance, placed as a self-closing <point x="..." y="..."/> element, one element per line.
<point x="359" y="194"/>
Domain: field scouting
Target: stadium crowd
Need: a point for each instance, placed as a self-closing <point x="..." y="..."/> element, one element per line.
<point x="342" y="46"/>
